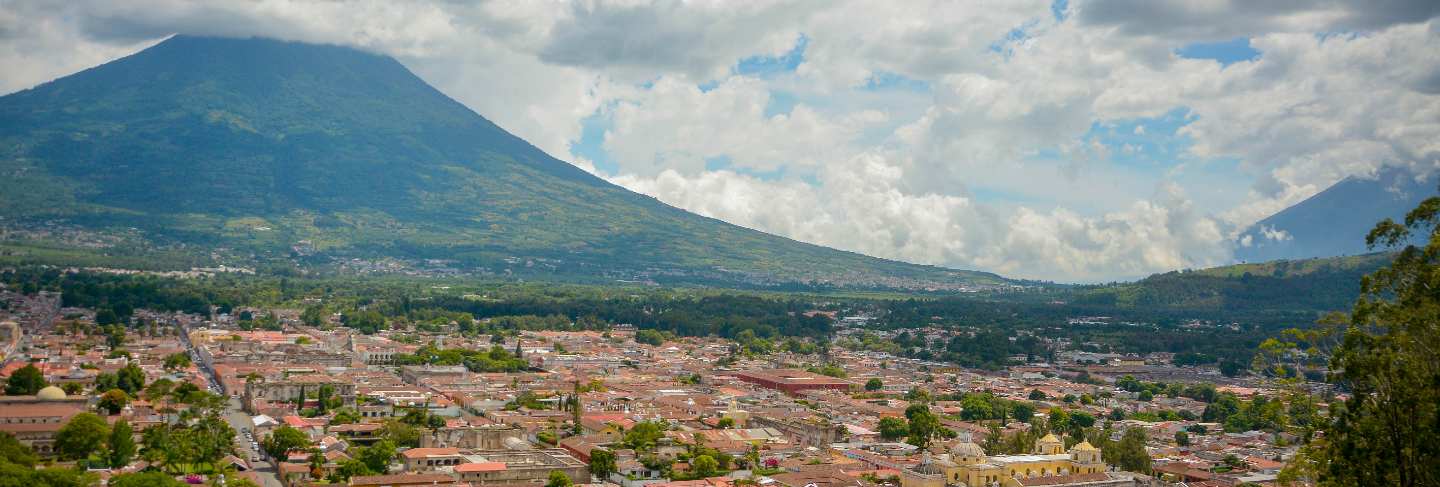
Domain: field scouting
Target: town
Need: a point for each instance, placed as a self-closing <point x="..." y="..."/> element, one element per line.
<point x="270" y="397"/>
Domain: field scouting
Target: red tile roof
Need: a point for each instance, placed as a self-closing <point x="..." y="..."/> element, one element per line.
<point x="480" y="467"/>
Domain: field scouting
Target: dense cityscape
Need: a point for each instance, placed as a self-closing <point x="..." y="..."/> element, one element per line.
<point x="719" y="243"/>
<point x="295" y="396"/>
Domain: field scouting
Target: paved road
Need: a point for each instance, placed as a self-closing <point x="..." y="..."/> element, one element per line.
<point x="238" y="420"/>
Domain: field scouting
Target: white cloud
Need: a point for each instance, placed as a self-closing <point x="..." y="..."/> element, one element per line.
<point x="1271" y="233"/>
<point x="858" y="207"/>
<point x="674" y="125"/>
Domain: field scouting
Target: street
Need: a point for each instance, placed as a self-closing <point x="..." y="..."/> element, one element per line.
<point x="241" y="422"/>
<point x="237" y="418"/>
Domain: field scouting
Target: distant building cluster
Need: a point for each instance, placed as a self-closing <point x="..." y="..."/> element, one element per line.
<point x="597" y="407"/>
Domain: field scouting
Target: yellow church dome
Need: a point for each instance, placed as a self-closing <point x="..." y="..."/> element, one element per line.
<point x="50" y="393"/>
<point x="1049" y="438"/>
<point x="1084" y="446"/>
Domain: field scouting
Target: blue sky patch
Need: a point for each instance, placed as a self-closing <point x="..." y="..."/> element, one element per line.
<point x="885" y="80"/>
<point x="591" y="144"/>
<point x="722" y="163"/>
<point x="1059" y="7"/>
<point x="1226" y="52"/>
<point x="780" y="103"/>
<point x="1006" y="45"/>
<point x="1145" y="144"/>
<point x="762" y="66"/>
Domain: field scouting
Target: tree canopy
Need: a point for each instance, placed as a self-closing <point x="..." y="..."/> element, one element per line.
<point x="1388" y="356"/>
<point x="25" y="381"/>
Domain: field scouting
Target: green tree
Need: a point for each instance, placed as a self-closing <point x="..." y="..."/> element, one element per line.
<point x="924" y="426"/>
<point x="1059" y="421"/>
<point x="13" y="451"/>
<point x="113" y="401"/>
<point x="317" y="463"/>
<point x="874" y="384"/>
<point x="25" y="381"/>
<point x="313" y="315"/>
<point x="106" y="316"/>
<point x="145" y="479"/>
<point x="377" y="457"/>
<point x="1182" y="438"/>
<point x="323" y="397"/>
<point x="558" y="479"/>
<point x="284" y="439"/>
<point x="725" y="423"/>
<point x="345" y="416"/>
<point x="1036" y="395"/>
<point x="643" y="435"/>
<point x="348" y="469"/>
<point x="15" y="475"/>
<point x="177" y="361"/>
<point x="974" y="407"/>
<point x="602" y="463"/>
<point x="121" y="447"/>
<point x="130" y="379"/>
<point x="1022" y="411"/>
<point x="400" y="433"/>
<point x="704" y="466"/>
<point x="240" y="482"/>
<point x="367" y="321"/>
<point x="114" y="336"/>
<point x="1388" y="356"/>
<point x="1129" y="453"/>
<point x="105" y="381"/>
<point x="81" y="437"/>
<point x="892" y="428"/>
<point x="649" y="337"/>
<point x="1225" y="406"/>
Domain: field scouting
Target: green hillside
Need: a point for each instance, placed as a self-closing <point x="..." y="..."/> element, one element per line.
<point x="321" y="153"/>
<point x="1322" y="284"/>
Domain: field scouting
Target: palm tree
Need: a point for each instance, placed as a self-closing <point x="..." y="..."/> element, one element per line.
<point x="317" y="464"/>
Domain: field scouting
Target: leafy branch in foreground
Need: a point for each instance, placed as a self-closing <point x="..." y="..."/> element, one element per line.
<point x="1388" y="357"/>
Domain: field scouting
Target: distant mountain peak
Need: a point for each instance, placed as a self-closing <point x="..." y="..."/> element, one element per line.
<point x="1334" y="222"/>
<point x="264" y="147"/>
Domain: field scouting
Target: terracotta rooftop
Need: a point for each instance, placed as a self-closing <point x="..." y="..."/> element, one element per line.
<point x="480" y="467"/>
<point x="430" y="452"/>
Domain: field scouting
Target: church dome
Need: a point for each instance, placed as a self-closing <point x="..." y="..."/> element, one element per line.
<point x="967" y="450"/>
<point x="50" y="393"/>
<point x="1050" y="445"/>
<point x="1084" y="446"/>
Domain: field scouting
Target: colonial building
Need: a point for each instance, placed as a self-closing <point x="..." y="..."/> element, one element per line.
<point x="482" y="437"/>
<point x="506" y="467"/>
<point x="293" y="388"/>
<point x="791" y="381"/>
<point x="806" y="431"/>
<point x="34" y="420"/>
<point x="967" y="465"/>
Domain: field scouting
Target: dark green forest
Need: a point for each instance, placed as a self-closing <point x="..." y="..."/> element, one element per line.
<point x="1208" y="317"/>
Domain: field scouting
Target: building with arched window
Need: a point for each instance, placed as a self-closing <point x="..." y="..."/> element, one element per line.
<point x="967" y="465"/>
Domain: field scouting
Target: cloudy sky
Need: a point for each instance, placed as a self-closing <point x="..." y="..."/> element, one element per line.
<point x="1065" y="140"/>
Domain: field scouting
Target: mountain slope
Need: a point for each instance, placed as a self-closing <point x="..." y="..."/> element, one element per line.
<point x="1319" y="284"/>
<point x="267" y="146"/>
<point x="1335" y="221"/>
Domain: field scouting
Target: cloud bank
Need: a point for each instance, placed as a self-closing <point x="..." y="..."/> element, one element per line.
<point x="1072" y="141"/>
